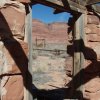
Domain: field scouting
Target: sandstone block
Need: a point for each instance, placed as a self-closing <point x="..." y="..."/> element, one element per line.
<point x="92" y="19"/>
<point x="92" y="96"/>
<point x="14" y="57"/>
<point x="92" y="29"/>
<point x="14" y="88"/>
<point x="93" y="37"/>
<point x="51" y="33"/>
<point x="12" y="22"/>
<point x="93" y="85"/>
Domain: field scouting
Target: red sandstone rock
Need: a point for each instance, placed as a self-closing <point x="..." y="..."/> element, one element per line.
<point x="12" y="26"/>
<point x="15" y="59"/>
<point x="92" y="19"/>
<point x="92" y="29"/>
<point x="91" y="44"/>
<point x="93" y="38"/>
<point x="12" y="22"/>
<point x="52" y="33"/>
<point x="92" y="65"/>
<point x="16" y="55"/>
<point x="93" y="85"/>
<point x="39" y="29"/>
<point x="13" y="52"/>
<point x="55" y="32"/>
<point x="14" y="88"/>
<point x="92" y="96"/>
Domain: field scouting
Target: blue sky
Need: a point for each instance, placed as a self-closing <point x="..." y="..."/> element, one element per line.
<point x="45" y="14"/>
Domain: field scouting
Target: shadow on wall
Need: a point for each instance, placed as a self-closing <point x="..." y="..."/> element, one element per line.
<point x="92" y="69"/>
<point x="87" y="73"/>
<point x="60" y="93"/>
<point x="17" y="53"/>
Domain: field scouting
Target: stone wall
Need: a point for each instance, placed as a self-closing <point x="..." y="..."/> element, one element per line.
<point x="92" y="58"/>
<point x="13" y="53"/>
<point x="13" y="50"/>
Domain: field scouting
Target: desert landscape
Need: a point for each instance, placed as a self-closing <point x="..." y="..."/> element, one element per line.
<point x="53" y="56"/>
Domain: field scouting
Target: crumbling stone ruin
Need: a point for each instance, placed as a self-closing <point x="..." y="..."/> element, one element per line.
<point x="14" y="51"/>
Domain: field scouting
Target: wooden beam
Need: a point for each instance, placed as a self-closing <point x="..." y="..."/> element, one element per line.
<point x="56" y="11"/>
<point x="91" y="2"/>
<point x="52" y="4"/>
<point x="73" y="7"/>
<point x="96" y="8"/>
<point x="28" y="95"/>
<point x="78" y="57"/>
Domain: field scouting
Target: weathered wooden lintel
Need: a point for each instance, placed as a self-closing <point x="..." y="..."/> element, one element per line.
<point x="96" y="8"/>
<point x="53" y="5"/>
<point x="28" y="32"/>
<point x="78" y="56"/>
<point x="91" y="2"/>
<point x="73" y="6"/>
<point x="59" y="5"/>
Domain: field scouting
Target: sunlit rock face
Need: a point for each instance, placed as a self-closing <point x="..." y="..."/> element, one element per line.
<point x="52" y="33"/>
<point x="13" y="50"/>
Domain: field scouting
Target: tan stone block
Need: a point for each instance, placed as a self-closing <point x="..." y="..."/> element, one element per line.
<point x="93" y="85"/>
<point x="92" y="96"/>
<point x="14" y="88"/>
<point x="16" y="56"/>
<point x="93" y="38"/>
<point x="92" y="19"/>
